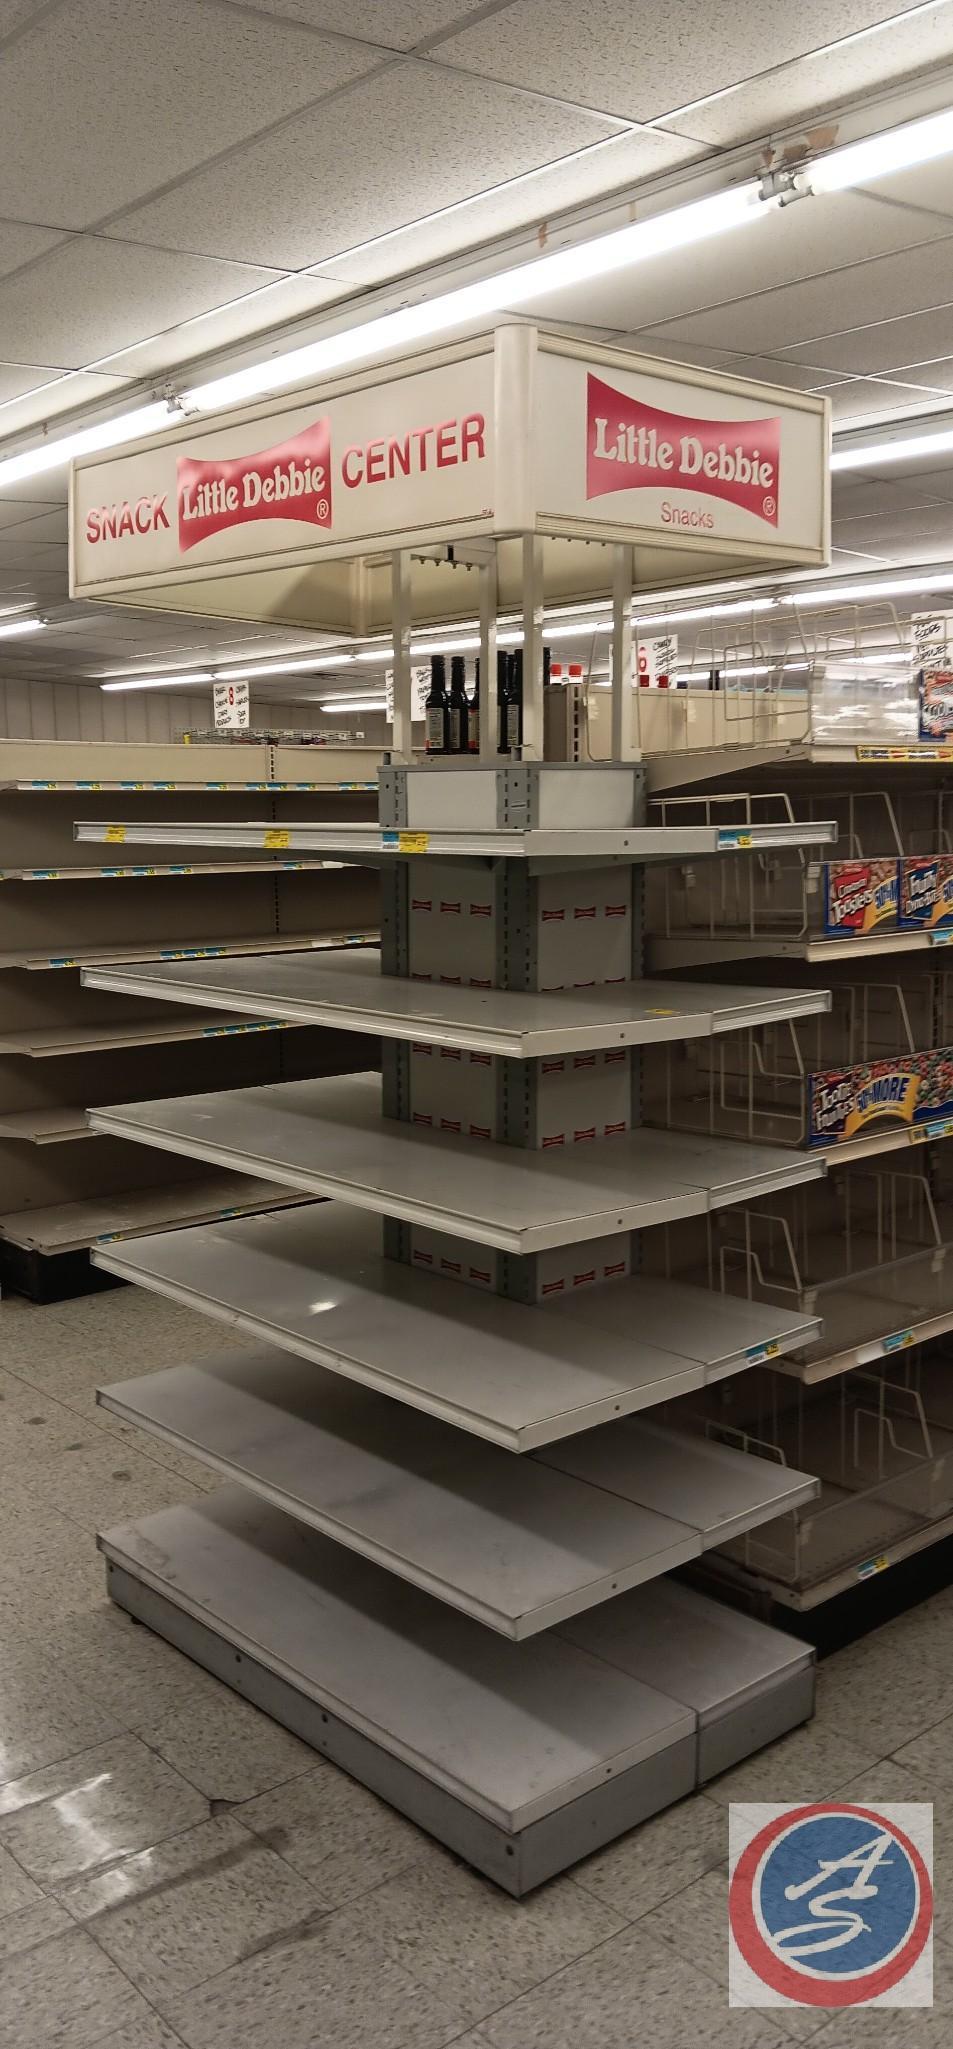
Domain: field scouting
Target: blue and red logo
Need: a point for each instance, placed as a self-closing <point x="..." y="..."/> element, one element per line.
<point x="831" y="1905"/>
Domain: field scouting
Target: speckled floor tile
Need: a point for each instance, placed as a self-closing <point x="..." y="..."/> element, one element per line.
<point x="93" y="1809"/>
<point x="806" y="1765"/>
<point x="333" y="1990"/>
<point x="104" y="1482"/>
<point x="184" y="1910"/>
<point x="16" y="1889"/>
<point x="659" y="1858"/>
<point x="33" y="1426"/>
<point x="34" y="1601"/>
<point x="864" y="1694"/>
<point x="929" y="1756"/>
<point x="59" y="1990"/>
<point x="226" y="1747"/>
<point x="43" y="1717"/>
<point x="632" y="1990"/>
<point x="136" y="1676"/>
<point x="695" y="1923"/>
<point x="150" y="2033"/>
<point x="340" y="1837"/>
<point x="459" y="1935"/>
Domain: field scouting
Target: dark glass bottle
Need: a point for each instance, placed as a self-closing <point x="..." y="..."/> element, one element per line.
<point x="458" y="708"/>
<point x="514" y="704"/>
<point x="502" y="694"/>
<point x="547" y="665"/>
<point x="437" y="708"/>
<point x="473" y="712"/>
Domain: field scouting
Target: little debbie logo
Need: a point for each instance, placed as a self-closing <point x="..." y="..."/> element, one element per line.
<point x="831" y="1905"/>
<point x="290" y="481"/>
<point x="632" y="446"/>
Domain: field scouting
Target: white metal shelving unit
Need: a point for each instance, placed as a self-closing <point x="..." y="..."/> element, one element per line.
<point x="446" y="1444"/>
<point x="863" y="1403"/>
<point x="58" y="913"/>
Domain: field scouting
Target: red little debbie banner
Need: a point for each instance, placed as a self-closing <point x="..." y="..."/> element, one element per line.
<point x="631" y="446"/>
<point x="290" y="481"/>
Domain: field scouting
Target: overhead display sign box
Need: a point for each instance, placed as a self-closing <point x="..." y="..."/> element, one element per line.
<point x="287" y="510"/>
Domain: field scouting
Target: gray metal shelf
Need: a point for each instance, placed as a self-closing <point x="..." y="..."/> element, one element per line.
<point x="521" y="1757"/>
<point x="737" y="1675"/>
<point x="136" y="1212"/>
<point x="314" y="1281"/>
<point x="683" y="768"/>
<point x="329" y="1138"/>
<point x="606" y="843"/>
<point x="700" y="949"/>
<point x="716" y="1490"/>
<point x="353" y="995"/>
<point x="189" y="949"/>
<point x="517" y="1544"/>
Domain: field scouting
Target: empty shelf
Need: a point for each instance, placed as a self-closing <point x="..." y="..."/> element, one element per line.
<point x="352" y="995"/>
<point x="515" y="1544"/>
<point x="46" y="1127"/>
<point x="102" y="1219"/>
<point x="744" y="1681"/>
<point x="514" y="1731"/>
<point x="700" y="949"/>
<point x="62" y="1041"/>
<point x="314" y="1281"/>
<point x="719" y="1491"/>
<point x="626" y="843"/>
<point x="157" y="870"/>
<point x="190" y="949"/>
<point x="329" y="1138"/>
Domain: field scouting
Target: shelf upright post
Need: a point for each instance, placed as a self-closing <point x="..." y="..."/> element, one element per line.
<point x="401" y="611"/>
<point x="623" y="744"/>
<point x="489" y="738"/>
<point x="533" y="647"/>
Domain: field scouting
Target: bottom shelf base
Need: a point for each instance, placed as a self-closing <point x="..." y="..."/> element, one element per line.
<point x="521" y="1758"/>
<point x="45" y="1277"/>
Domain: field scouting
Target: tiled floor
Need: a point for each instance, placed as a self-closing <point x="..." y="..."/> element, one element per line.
<point x="174" y="1869"/>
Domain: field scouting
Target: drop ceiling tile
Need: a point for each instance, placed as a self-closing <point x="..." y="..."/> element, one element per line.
<point x="586" y="51"/>
<point x="285" y="299"/>
<point x="17" y="378"/>
<point x="396" y="24"/>
<point x="862" y="397"/>
<point x="899" y="345"/>
<point x="913" y="39"/>
<point x="44" y="527"/>
<point x="873" y="495"/>
<point x="427" y="138"/>
<point x="936" y="484"/>
<point x="94" y="296"/>
<point x="852" y="295"/>
<point x="929" y="523"/>
<point x="19" y="241"/>
<point x="528" y="202"/>
<point x="19" y="514"/>
<point x="52" y="485"/>
<point x="102" y="101"/>
<point x="807" y="242"/>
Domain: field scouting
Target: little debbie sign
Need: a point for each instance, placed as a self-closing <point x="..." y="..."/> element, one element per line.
<point x="633" y="446"/>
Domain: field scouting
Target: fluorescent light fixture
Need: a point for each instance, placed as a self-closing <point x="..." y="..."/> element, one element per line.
<point x="519" y="286"/>
<point x="50" y="455"/>
<point x="159" y="682"/>
<point x="910" y="448"/>
<point x="706" y="612"/>
<point x="856" y="593"/>
<point x="18" y="626"/>
<point x="264" y="669"/>
<point x="879" y="156"/>
<point x="353" y="704"/>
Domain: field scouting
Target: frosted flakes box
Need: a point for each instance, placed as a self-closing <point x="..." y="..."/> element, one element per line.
<point x="914" y="1089"/>
<point x="936" y="704"/>
<point x="860" y="896"/>
<point x="926" y="892"/>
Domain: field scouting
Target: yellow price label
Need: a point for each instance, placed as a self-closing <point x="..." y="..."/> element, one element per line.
<point x="660" y="1013"/>
<point x="278" y="837"/>
<point x="413" y="842"/>
<point x="116" y="834"/>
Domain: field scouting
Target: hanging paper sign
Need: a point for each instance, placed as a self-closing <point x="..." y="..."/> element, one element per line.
<point x="231" y="703"/>
<point x="419" y="686"/>
<point x="657" y="660"/>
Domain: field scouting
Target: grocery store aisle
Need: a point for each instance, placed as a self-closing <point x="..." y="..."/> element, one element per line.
<point x="175" y="1869"/>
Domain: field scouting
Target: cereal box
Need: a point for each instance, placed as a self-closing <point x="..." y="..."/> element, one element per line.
<point x="860" y="896"/>
<point x="914" y="1089"/>
<point x="926" y="892"/>
<point x="936" y="704"/>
